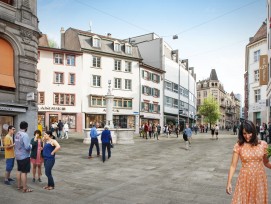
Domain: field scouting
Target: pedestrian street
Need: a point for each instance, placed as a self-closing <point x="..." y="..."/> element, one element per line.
<point x="146" y="172"/>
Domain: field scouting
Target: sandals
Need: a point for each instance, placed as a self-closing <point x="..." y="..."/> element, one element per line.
<point x="27" y="190"/>
<point x="45" y="187"/>
<point x="20" y="188"/>
<point x="48" y="187"/>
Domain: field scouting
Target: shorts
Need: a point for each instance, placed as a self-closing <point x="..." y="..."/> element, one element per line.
<point x="24" y="165"/>
<point x="9" y="164"/>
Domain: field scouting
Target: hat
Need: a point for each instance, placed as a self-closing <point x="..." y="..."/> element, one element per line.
<point x="106" y="127"/>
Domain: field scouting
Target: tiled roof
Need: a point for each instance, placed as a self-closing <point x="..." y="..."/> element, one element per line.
<point x="261" y="33"/>
<point x="213" y="75"/>
<point x="43" y="41"/>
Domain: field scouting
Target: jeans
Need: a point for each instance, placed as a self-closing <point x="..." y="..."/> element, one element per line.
<point x="94" y="141"/>
<point x="59" y="134"/>
<point x="104" y="146"/>
<point x="48" y="164"/>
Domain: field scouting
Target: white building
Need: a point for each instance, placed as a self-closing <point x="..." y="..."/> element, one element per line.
<point x="107" y="59"/>
<point x="255" y="102"/>
<point x="179" y="83"/>
<point x="268" y="91"/>
<point x="59" y="81"/>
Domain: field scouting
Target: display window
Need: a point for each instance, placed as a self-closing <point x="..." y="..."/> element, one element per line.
<point x="70" y="119"/>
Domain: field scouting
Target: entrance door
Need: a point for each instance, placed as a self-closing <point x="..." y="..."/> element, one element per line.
<point x="52" y="119"/>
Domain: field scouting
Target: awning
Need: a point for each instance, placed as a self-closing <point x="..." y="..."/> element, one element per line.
<point x="7" y="81"/>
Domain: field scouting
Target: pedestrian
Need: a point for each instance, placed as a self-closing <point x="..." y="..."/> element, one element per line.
<point x="155" y="131"/>
<point x="251" y="185"/>
<point x="66" y="130"/>
<point x="9" y="154"/>
<point x="146" y="129"/>
<point x="60" y="128"/>
<point x="22" y="155"/>
<point x="150" y="130"/>
<point x="234" y="129"/>
<point x="51" y="146"/>
<point x="106" y="142"/>
<point x="262" y="131"/>
<point x="257" y="129"/>
<point x="177" y="131"/>
<point x="158" y="130"/>
<point x="216" y="131"/>
<point x="196" y="129"/>
<point x="188" y="133"/>
<point x="94" y="141"/>
<point x="213" y="131"/>
<point x="36" y="155"/>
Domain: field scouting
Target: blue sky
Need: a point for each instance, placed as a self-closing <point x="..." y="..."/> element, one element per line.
<point x="212" y="33"/>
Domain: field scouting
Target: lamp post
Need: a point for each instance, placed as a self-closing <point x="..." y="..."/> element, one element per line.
<point x="185" y="61"/>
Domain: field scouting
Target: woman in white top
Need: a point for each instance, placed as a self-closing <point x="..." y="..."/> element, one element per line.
<point x="66" y="130"/>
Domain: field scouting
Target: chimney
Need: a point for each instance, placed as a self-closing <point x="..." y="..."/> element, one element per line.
<point x="109" y="35"/>
<point x="62" y="38"/>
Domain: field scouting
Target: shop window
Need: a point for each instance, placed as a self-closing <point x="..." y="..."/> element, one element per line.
<point x="70" y="119"/>
<point x="7" y="65"/>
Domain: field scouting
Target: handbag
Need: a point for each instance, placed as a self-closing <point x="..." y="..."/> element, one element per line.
<point x="185" y="137"/>
<point x="111" y="145"/>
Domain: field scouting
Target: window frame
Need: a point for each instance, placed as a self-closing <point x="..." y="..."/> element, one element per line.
<point x="67" y="59"/>
<point x="96" y="61"/>
<point x="117" y="83"/>
<point x="41" y="94"/>
<point x="70" y="83"/>
<point x="72" y="97"/>
<point x="59" y="57"/>
<point x="128" y="66"/>
<point x="96" y="42"/>
<point x="55" y="77"/>
<point x="127" y="85"/>
<point x="96" y="80"/>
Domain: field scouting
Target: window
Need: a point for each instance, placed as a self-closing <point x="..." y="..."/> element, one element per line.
<point x="127" y="103"/>
<point x="146" y="90"/>
<point x="96" y="42"/>
<point x="128" y="49"/>
<point x="10" y="2"/>
<point x="59" y="78"/>
<point x="198" y="94"/>
<point x="70" y="60"/>
<point x="145" y="75"/>
<point x="118" y="102"/>
<point x="117" y="47"/>
<point x="175" y="103"/>
<point x="96" y="61"/>
<point x="198" y="102"/>
<point x="257" y="94"/>
<point x="64" y="99"/>
<point x="168" y="101"/>
<point x="155" y="78"/>
<point x="128" y="66"/>
<point x="204" y="93"/>
<point x="96" y="80"/>
<point x="58" y="58"/>
<point x="175" y="88"/>
<point x="98" y="101"/>
<point x="117" y="66"/>
<point x="128" y="84"/>
<point x="117" y="84"/>
<point x="168" y="85"/>
<point x="256" y="75"/>
<point x="257" y="55"/>
<point x="156" y="108"/>
<point x="145" y="106"/>
<point x="40" y="97"/>
<point x="71" y="78"/>
<point x="38" y="75"/>
<point x="156" y="93"/>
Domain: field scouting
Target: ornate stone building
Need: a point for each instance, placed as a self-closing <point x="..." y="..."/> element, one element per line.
<point x="19" y="36"/>
<point x="229" y="105"/>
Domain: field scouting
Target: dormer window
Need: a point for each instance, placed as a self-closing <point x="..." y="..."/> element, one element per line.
<point x="128" y="49"/>
<point x="96" y="42"/>
<point x="117" y="47"/>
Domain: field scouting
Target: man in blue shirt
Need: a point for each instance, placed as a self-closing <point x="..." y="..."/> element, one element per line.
<point x="94" y="141"/>
<point x="106" y="142"/>
<point x="188" y="133"/>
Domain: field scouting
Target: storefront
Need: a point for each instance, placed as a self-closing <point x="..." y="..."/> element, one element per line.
<point x="119" y="121"/>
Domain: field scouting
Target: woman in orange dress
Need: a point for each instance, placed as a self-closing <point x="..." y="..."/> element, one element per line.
<point x="36" y="154"/>
<point x="251" y="185"/>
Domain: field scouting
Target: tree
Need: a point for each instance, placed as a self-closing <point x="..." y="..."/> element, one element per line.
<point x="210" y="110"/>
<point x="52" y="43"/>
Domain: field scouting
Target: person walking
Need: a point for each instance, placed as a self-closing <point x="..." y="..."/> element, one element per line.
<point x="106" y="142"/>
<point x="60" y="128"/>
<point x="251" y="185"/>
<point x="9" y="154"/>
<point x="262" y="132"/>
<point x="216" y="131"/>
<point x="150" y="130"/>
<point x="94" y="141"/>
<point x="146" y="129"/>
<point x="158" y="130"/>
<point x="155" y="131"/>
<point x="188" y="133"/>
<point x="51" y="146"/>
<point x="36" y="155"/>
<point x="177" y="130"/>
<point x="22" y="155"/>
<point x="66" y="130"/>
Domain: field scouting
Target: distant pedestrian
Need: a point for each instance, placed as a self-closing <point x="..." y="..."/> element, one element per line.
<point x="188" y="133"/>
<point x="60" y="129"/>
<point x="66" y="131"/>
<point x="146" y="129"/>
<point x="177" y="130"/>
<point x="155" y="131"/>
<point x="150" y="130"/>
<point x="22" y="155"/>
<point x="106" y="142"/>
<point x="51" y="146"/>
<point x="9" y="154"/>
<point x="235" y="129"/>
<point x="94" y="141"/>
<point x="216" y="131"/>
<point x="158" y="129"/>
<point x="36" y="157"/>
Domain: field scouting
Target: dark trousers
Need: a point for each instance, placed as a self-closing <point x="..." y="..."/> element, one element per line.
<point x="48" y="164"/>
<point x="94" y="141"/>
<point x="104" y="146"/>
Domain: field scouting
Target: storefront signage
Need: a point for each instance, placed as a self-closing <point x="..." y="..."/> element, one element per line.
<point x="12" y="109"/>
<point x="263" y="70"/>
<point x="48" y="108"/>
<point x="257" y="107"/>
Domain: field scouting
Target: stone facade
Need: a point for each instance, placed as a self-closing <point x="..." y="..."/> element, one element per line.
<point x="19" y="31"/>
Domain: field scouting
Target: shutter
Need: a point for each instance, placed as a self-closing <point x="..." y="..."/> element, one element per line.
<point x="158" y="79"/>
<point x="150" y="107"/>
<point x="151" y="76"/>
<point x="143" y="89"/>
<point x="158" y="93"/>
<point x="158" y="108"/>
<point x="142" y="106"/>
<point x="142" y="73"/>
<point x="152" y="91"/>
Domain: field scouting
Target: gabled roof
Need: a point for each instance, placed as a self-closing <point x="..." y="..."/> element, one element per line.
<point x="43" y="41"/>
<point x="261" y="34"/>
<point x="213" y="75"/>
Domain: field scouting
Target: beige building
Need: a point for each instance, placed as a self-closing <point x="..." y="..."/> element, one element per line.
<point x="229" y="105"/>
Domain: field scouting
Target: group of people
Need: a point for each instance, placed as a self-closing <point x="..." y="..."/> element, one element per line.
<point x="60" y="130"/>
<point x="37" y="151"/>
<point x="107" y="142"/>
<point x="153" y="130"/>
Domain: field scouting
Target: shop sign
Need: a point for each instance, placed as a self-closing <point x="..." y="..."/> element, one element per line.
<point x="257" y="107"/>
<point x="12" y="109"/>
<point x="49" y="108"/>
<point x="263" y="70"/>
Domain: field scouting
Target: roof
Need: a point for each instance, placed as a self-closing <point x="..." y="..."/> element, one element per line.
<point x="213" y="75"/>
<point x="43" y="41"/>
<point x="261" y="34"/>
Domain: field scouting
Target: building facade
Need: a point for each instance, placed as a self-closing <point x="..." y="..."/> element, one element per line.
<point x="107" y="62"/>
<point x="256" y="84"/>
<point x="59" y="81"/>
<point x="229" y="105"/>
<point x="179" y="103"/>
<point x="268" y="35"/>
<point x="19" y="36"/>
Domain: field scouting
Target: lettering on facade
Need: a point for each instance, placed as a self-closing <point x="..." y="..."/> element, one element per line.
<point x="52" y="108"/>
<point x="263" y="70"/>
<point x="12" y="109"/>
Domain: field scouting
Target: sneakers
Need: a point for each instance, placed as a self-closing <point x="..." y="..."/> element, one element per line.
<point x="33" y="180"/>
<point x="39" y="180"/>
<point x="90" y="157"/>
<point x="10" y="179"/>
<point x="7" y="183"/>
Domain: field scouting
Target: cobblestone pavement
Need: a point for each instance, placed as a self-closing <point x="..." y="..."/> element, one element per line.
<point x="148" y="171"/>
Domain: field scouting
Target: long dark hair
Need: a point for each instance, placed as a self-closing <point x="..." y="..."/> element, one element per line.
<point x="49" y="132"/>
<point x="250" y="128"/>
